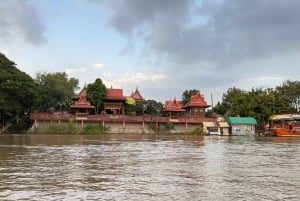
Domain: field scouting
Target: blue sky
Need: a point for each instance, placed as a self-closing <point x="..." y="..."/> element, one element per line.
<point x="162" y="47"/>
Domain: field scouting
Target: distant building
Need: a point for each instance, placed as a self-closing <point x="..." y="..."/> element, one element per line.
<point x="173" y="108"/>
<point x="114" y="100"/>
<point x="112" y="103"/>
<point x="242" y="125"/>
<point x="224" y="127"/>
<point x="81" y="104"/>
<point x="196" y="106"/>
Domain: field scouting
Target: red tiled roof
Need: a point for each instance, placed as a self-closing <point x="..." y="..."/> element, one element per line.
<point x="197" y="101"/>
<point x="111" y="94"/>
<point x="173" y="106"/>
<point x="114" y="94"/>
<point x="136" y="95"/>
<point x="82" y="103"/>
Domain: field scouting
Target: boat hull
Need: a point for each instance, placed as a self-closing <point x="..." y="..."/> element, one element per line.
<point x="284" y="132"/>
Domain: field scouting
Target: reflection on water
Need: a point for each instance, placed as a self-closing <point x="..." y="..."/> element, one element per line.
<point x="148" y="167"/>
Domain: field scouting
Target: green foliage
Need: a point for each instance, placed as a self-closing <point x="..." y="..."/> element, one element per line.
<point x="197" y="131"/>
<point x="234" y="101"/>
<point x="55" y="90"/>
<point x="260" y="103"/>
<point x="152" y="126"/>
<point x="96" y="92"/>
<point x="169" y="126"/>
<point x="163" y="128"/>
<point x="18" y="92"/>
<point x="187" y="94"/>
<point x="95" y="129"/>
<point x="130" y="101"/>
<point x="290" y="91"/>
<point x="71" y="128"/>
<point x="129" y="107"/>
<point x="153" y="107"/>
<point x="139" y="108"/>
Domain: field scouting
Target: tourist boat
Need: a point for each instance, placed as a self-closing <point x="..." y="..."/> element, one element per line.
<point x="285" y="125"/>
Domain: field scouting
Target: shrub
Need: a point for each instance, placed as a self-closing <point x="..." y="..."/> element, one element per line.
<point x="197" y="131"/>
<point x="152" y="126"/>
<point x="169" y="126"/>
<point x="95" y="129"/>
<point x="164" y="128"/>
<point x="63" y="128"/>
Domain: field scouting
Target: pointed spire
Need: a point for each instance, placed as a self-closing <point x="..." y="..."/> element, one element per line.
<point x="136" y="95"/>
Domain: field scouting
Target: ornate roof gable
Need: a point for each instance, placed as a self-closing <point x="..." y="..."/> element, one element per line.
<point x="173" y="106"/>
<point x="197" y="101"/>
<point x="82" y="103"/>
<point x="137" y="95"/>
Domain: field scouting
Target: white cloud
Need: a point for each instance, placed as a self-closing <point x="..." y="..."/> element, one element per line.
<point x="140" y="77"/>
<point x="75" y="71"/>
<point x="270" y="78"/>
<point x="98" y="66"/>
<point x="109" y="84"/>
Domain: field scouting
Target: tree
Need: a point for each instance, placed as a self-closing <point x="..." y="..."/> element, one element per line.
<point x="290" y="91"/>
<point x="277" y="102"/>
<point x="232" y="103"/>
<point x="129" y="105"/>
<point x="140" y="107"/>
<point x="55" y="90"/>
<point x="220" y="108"/>
<point x="17" y="92"/>
<point x="258" y="103"/>
<point x="153" y="107"/>
<point x="187" y="94"/>
<point x="96" y="92"/>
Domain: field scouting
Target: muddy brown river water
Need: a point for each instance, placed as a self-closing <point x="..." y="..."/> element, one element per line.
<point x="148" y="167"/>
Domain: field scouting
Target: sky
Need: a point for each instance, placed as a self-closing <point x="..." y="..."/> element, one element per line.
<point x="161" y="47"/>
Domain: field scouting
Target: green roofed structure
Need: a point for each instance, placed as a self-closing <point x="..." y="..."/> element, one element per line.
<point x="242" y="120"/>
<point x="242" y="125"/>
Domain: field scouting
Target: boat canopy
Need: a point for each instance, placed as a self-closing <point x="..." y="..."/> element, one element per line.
<point x="285" y="117"/>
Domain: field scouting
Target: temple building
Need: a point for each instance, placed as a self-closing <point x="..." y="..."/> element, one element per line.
<point x="136" y="95"/>
<point x="173" y="108"/>
<point x="81" y="104"/>
<point x="196" y="106"/>
<point x="113" y="101"/>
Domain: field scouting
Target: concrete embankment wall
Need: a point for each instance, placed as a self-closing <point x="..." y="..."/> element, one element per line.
<point x="127" y="127"/>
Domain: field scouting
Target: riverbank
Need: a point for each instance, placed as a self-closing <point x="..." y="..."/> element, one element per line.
<point x="82" y="127"/>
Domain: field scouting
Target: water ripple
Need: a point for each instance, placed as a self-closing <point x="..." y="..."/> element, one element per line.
<point x="136" y="167"/>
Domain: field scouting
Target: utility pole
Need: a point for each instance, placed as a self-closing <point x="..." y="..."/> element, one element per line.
<point x="212" y="102"/>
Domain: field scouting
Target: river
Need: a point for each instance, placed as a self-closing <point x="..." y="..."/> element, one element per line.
<point x="148" y="167"/>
